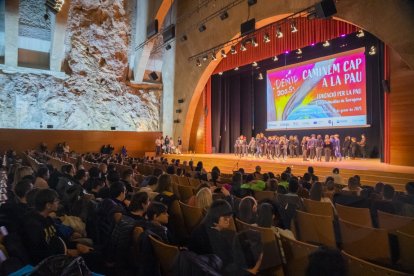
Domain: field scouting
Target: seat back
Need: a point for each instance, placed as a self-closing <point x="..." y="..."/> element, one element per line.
<point x="406" y="251"/>
<point x="134" y="249"/>
<point x="365" y="242"/>
<point x="166" y="254"/>
<point x="185" y="192"/>
<point x="315" y="229"/>
<point x="182" y="180"/>
<point x="260" y="195"/>
<point x="318" y="207"/>
<point x="177" y="221"/>
<point x="357" y="266"/>
<point x="296" y="255"/>
<point x="393" y="222"/>
<point x="271" y="250"/>
<point x="360" y="216"/>
<point x="194" y="182"/>
<point x="192" y="216"/>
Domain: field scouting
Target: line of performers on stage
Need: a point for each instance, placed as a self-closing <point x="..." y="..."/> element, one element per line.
<point x="313" y="148"/>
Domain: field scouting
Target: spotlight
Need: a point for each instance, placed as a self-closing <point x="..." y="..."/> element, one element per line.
<point x="279" y="33"/>
<point x="275" y="58"/>
<point x="254" y="64"/>
<point x="233" y="50"/>
<point x="223" y="54"/>
<point x="293" y="28"/>
<point x="236" y="69"/>
<point x="224" y="15"/>
<point x="213" y="57"/>
<point x="299" y="51"/>
<point x="168" y="47"/>
<point x="254" y="42"/>
<point x="372" y="50"/>
<point x="198" y="63"/>
<point x="183" y="38"/>
<point x="360" y="33"/>
<point x="202" y="28"/>
<point x="220" y="73"/>
<point x="205" y="57"/>
<point x="260" y="76"/>
<point x="266" y="38"/>
<point x="54" y="5"/>
<point x="326" y="44"/>
<point x="242" y="47"/>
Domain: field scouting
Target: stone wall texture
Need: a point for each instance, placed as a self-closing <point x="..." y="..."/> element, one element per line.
<point x="94" y="95"/>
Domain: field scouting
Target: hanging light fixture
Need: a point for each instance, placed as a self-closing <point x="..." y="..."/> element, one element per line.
<point x="260" y="76"/>
<point x="213" y="56"/>
<point x="223" y="54"/>
<point x="372" y="50"/>
<point x="254" y="42"/>
<point x="275" y="58"/>
<point x="266" y="38"/>
<point x="233" y="50"/>
<point x="293" y="28"/>
<point x="279" y="33"/>
<point x="326" y="44"/>
<point x="360" y="33"/>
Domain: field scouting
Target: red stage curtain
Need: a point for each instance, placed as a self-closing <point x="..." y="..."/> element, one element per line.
<point x="309" y="31"/>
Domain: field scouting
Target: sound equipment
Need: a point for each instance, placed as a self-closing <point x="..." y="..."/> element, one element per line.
<point x="152" y="29"/>
<point x="113" y="128"/>
<point x="325" y="9"/>
<point x="247" y="27"/>
<point x="169" y="33"/>
<point x="153" y="76"/>
<point x="202" y="28"/>
<point x="49" y="126"/>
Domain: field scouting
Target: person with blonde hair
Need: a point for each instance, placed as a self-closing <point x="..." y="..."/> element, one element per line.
<point x="204" y="198"/>
<point x="22" y="172"/>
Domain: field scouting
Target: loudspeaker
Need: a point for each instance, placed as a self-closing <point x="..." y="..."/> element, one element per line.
<point x="152" y="29"/>
<point x="169" y="33"/>
<point x="224" y="15"/>
<point x="385" y="86"/>
<point x="113" y="128"/>
<point x="49" y="126"/>
<point x="153" y="76"/>
<point x="325" y="9"/>
<point x="177" y="121"/>
<point x="180" y="100"/>
<point x="247" y="27"/>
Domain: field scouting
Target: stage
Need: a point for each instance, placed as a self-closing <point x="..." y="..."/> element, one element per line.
<point x="371" y="171"/>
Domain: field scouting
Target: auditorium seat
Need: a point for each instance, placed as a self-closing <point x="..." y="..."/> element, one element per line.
<point x="185" y="192"/>
<point x="406" y="251"/>
<point x="296" y="255"/>
<point x="261" y="195"/>
<point x="271" y="251"/>
<point x="136" y="233"/>
<point x="177" y="221"/>
<point x="393" y="222"/>
<point x="166" y="254"/>
<point x="192" y="216"/>
<point x="357" y="267"/>
<point x="315" y="229"/>
<point x="365" y="242"/>
<point x="194" y="182"/>
<point x="318" y="207"/>
<point x="174" y="178"/>
<point x="360" y="216"/>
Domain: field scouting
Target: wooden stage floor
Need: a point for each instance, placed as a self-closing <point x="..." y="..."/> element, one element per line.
<point x="370" y="170"/>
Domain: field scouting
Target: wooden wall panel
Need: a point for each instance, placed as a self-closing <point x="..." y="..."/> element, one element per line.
<point x="402" y="113"/>
<point x="197" y="138"/>
<point x="137" y="143"/>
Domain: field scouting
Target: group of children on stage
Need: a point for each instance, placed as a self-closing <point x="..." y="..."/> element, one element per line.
<point x="311" y="148"/>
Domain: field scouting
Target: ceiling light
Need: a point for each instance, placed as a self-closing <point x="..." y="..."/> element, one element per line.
<point x="223" y="54"/>
<point x="237" y="68"/>
<point x="266" y="38"/>
<point x="299" y="51"/>
<point x="254" y="64"/>
<point x="372" y="50"/>
<point x="213" y="57"/>
<point x="224" y="15"/>
<point x="293" y="28"/>
<point x="326" y="44"/>
<point x="360" y="33"/>
<point x="254" y="42"/>
<point x="260" y="76"/>
<point x="279" y="33"/>
<point x="205" y="57"/>
<point x="233" y="50"/>
<point x="198" y="63"/>
<point x="275" y="58"/>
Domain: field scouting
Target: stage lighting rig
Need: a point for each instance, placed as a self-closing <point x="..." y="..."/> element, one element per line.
<point x="54" y="5"/>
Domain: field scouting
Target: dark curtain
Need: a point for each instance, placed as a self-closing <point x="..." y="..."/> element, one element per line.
<point x="239" y="99"/>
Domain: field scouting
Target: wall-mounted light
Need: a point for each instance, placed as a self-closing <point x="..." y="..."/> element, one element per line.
<point x="293" y="28"/>
<point x="266" y="38"/>
<point x="279" y="33"/>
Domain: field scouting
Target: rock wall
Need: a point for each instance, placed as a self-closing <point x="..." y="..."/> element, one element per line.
<point x="94" y="95"/>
